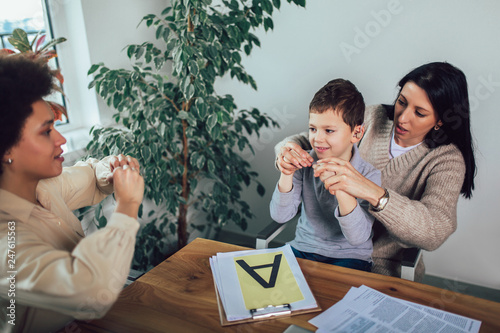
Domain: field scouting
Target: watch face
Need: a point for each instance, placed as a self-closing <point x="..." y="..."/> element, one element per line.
<point x="382" y="202"/>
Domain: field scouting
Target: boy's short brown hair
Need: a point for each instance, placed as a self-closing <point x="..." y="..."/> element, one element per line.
<point x="341" y="96"/>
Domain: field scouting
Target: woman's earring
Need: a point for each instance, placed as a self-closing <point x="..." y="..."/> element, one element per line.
<point x="436" y="127"/>
<point x="9" y="161"/>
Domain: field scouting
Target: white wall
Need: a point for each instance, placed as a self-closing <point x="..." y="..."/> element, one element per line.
<point x="97" y="31"/>
<point x="304" y="52"/>
<point x="113" y="25"/>
<point x="391" y="37"/>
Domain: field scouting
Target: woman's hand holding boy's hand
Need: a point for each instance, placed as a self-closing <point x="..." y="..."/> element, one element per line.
<point x="292" y="157"/>
<point x="340" y="175"/>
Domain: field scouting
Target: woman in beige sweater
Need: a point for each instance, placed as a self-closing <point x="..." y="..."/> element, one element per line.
<point x="423" y="146"/>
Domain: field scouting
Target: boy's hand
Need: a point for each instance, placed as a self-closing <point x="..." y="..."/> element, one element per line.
<point x="325" y="174"/>
<point x="347" y="202"/>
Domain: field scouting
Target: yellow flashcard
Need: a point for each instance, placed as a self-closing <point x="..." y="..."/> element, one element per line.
<point x="266" y="279"/>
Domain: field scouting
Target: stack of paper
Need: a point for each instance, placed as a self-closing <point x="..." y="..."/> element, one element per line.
<point x="367" y="310"/>
<point x="260" y="282"/>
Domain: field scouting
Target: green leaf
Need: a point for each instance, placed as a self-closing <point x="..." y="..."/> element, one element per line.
<point x="139" y="213"/>
<point x="159" y="61"/>
<point x="242" y="142"/>
<point x="130" y="51"/>
<point x="172" y="228"/>
<point x="215" y="132"/>
<point x="139" y="52"/>
<point x="193" y="67"/>
<point x="236" y="57"/>
<point x="212" y="52"/>
<point x="190" y="92"/>
<point x="102" y="222"/>
<point x="159" y="31"/>
<point x="268" y="23"/>
<point x="201" y="107"/>
<point x="200" y="162"/>
<point x="171" y="44"/>
<point x="184" y="84"/>
<point x="261" y="190"/>
<point x="211" y="121"/>
<point x="267" y="6"/>
<point x="183" y="115"/>
<point x="211" y="166"/>
<point x="53" y="43"/>
<point x="120" y="83"/>
<point x="197" y="160"/>
<point x="248" y="49"/>
<point x="166" y="11"/>
<point x="93" y="68"/>
<point x="146" y="153"/>
<point x="117" y="98"/>
<point x="20" y="40"/>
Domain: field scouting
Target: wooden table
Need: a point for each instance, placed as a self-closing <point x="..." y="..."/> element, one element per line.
<point x="178" y="295"/>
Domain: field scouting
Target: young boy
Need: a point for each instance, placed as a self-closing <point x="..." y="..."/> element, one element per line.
<point x="336" y="229"/>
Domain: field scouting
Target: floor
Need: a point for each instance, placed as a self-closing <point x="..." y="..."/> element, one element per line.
<point x="453" y="285"/>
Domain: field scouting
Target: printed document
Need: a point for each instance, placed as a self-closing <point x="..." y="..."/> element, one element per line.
<point x="367" y="310"/>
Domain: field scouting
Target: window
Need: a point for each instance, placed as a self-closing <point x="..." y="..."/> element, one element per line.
<point x="31" y="16"/>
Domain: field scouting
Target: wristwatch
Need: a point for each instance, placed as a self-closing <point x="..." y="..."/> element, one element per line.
<point x="382" y="202"/>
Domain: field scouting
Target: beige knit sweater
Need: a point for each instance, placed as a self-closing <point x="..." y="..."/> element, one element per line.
<point x="424" y="185"/>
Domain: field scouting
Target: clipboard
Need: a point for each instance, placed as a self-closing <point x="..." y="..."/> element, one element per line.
<point x="270" y="315"/>
<point x="298" y="306"/>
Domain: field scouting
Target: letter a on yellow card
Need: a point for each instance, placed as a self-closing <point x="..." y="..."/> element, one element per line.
<point x="266" y="279"/>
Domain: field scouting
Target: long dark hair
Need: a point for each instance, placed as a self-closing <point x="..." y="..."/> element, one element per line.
<point x="446" y="87"/>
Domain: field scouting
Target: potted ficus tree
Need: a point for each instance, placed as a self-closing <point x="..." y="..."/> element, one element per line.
<point x="175" y="123"/>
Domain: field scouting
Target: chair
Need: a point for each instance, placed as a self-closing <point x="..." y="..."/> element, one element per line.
<point x="132" y="276"/>
<point x="411" y="256"/>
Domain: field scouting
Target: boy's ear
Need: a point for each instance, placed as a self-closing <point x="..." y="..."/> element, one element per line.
<point x="358" y="133"/>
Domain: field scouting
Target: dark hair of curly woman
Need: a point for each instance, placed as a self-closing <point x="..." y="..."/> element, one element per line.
<point x="23" y="81"/>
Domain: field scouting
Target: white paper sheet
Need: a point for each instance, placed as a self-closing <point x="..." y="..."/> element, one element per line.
<point x="367" y="310"/>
